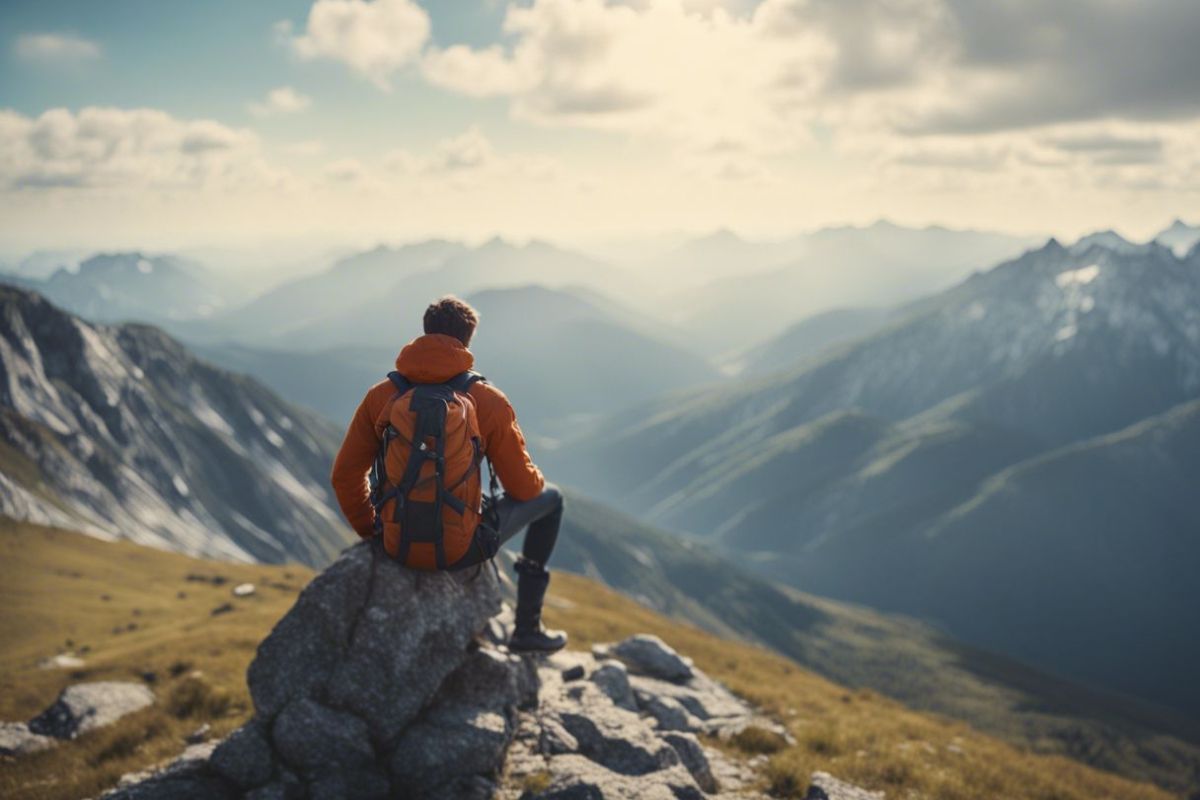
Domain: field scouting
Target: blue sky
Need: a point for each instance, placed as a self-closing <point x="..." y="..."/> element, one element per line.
<point x="129" y="123"/>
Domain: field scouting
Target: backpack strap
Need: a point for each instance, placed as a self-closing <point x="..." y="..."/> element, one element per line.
<point x="401" y="383"/>
<point x="463" y="381"/>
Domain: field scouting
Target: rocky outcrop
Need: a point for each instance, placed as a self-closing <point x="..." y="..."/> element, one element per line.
<point x="374" y="685"/>
<point x="78" y="710"/>
<point x="386" y="683"/>
<point x="591" y="736"/>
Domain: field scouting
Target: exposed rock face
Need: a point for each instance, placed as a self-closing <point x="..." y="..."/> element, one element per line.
<point x="373" y="685"/>
<point x="87" y="706"/>
<point x="608" y="734"/>
<point x="16" y="739"/>
<point x="386" y="683"/>
<point x="134" y="437"/>
<point x="79" y="709"/>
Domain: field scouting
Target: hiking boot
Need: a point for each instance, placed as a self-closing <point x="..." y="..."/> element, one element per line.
<point x="529" y="635"/>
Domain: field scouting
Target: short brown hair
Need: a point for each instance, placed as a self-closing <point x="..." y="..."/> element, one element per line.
<point x="452" y="317"/>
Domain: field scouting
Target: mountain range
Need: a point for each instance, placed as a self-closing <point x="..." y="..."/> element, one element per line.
<point x="893" y="470"/>
<point x="879" y="265"/>
<point x="133" y="286"/>
<point x="564" y="356"/>
<point x="120" y="431"/>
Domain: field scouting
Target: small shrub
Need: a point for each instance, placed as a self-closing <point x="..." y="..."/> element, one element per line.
<point x="125" y="742"/>
<point x="824" y="740"/>
<point x="755" y="740"/>
<point x="193" y="697"/>
<point x="786" y="779"/>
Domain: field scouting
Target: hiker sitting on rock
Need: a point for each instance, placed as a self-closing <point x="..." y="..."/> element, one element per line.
<point x="408" y="471"/>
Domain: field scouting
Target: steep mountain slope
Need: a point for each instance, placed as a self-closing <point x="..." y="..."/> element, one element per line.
<point x="837" y="477"/>
<point x="812" y="337"/>
<point x="120" y="287"/>
<point x="562" y="355"/>
<point x="880" y="265"/>
<point x="329" y="382"/>
<point x="1119" y="514"/>
<point x="1057" y="345"/>
<point x="121" y="432"/>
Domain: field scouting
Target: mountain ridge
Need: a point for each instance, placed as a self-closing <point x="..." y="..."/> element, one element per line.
<point x="119" y="430"/>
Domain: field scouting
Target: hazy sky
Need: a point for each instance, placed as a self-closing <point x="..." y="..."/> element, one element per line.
<point x="158" y="124"/>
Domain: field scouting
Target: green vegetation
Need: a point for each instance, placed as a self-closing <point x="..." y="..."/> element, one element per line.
<point x="139" y="614"/>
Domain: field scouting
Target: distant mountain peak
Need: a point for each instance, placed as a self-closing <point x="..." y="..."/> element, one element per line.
<point x="1180" y="238"/>
<point x="1109" y="240"/>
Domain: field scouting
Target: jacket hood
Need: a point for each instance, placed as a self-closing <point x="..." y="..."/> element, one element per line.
<point x="433" y="358"/>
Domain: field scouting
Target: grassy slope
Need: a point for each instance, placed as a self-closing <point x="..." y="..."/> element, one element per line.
<point x="903" y="658"/>
<point x="53" y="587"/>
<point x="64" y="591"/>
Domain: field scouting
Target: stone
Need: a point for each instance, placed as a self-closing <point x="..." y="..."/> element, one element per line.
<point x="373" y="639"/>
<point x="61" y="661"/>
<point x="470" y="787"/>
<point x="614" y="737"/>
<point x="87" y="706"/>
<point x="578" y="778"/>
<point x="823" y="786"/>
<point x="645" y="654"/>
<point x="612" y="678"/>
<point x="359" y="783"/>
<point x="701" y="696"/>
<point x="244" y="758"/>
<point x="554" y="739"/>
<point x="691" y="754"/>
<point x="467" y="730"/>
<point x="669" y="713"/>
<point x="16" y="739"/>
<point x="313" y="738"/>
<point x="244" y="590"/>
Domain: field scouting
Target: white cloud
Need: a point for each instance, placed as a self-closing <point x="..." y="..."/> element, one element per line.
<point x="376" y="38"/>
<point x="283" y="100"/>
<point x="347" y="171"/>
<point x="306" y="148"/>
<point x="55" y="47"/>
<point x="657" y="68"/>
<point x="125" y="149"/>
<point x="951" y="84"/>
<point x="469" y="157"/>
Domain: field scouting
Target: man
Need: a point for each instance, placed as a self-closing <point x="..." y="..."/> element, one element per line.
<point x="528" y="501"/>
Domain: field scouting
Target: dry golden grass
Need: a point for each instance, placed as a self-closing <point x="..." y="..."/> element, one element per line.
<point x="62" y="591"/>
<point x="132" y="614"/>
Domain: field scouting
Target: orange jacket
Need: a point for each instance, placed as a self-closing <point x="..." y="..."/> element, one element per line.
<point x="432" y="358"/>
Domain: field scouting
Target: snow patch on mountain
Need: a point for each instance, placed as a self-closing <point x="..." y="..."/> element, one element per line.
<point x="130" y="436"/>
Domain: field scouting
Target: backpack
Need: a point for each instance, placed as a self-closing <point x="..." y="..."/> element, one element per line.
<point x="425" y="483"/>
